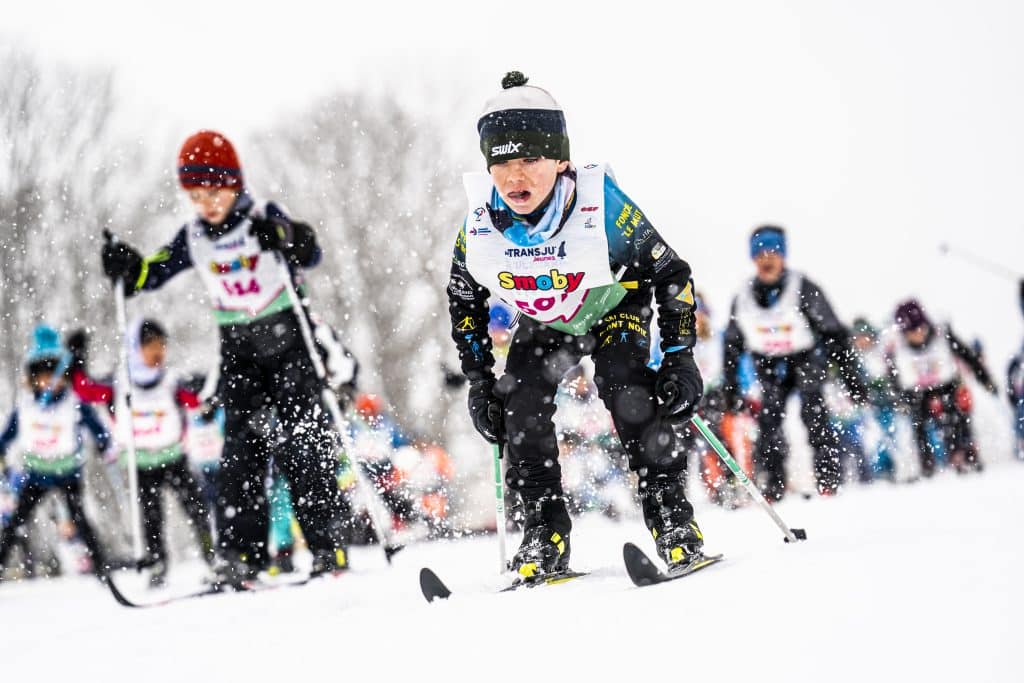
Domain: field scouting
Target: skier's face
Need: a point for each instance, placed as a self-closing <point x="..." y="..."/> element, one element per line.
<point x="213" y="203"/>
<point x="863" y="342"/>
<point x="41" y="380"/>
<point x="524" y="184"/>
<point x="769" y="266"/>
<point x="153" y="353"/>
<point x="918" y="335"/>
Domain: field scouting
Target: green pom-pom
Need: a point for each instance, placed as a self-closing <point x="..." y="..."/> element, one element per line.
<point x="513" y="79"/>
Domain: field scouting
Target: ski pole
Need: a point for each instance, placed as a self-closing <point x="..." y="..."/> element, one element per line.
<point x="123" y="411"/>
<point x="985" y="264"/>
<point x="499" y="507"/>
<point x="340" y="423"/>
<point x="791" y="535"/>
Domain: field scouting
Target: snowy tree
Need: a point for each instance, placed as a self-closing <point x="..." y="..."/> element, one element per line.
<point x="65" y="174"/>
<point x="382" y="191"/>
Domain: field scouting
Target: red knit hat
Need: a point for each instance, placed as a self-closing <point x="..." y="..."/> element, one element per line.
<point x="207" y="159"/>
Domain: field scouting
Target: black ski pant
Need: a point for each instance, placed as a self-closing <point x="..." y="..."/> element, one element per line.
<point x="272" y="405"/>
<point x="176" y="477"/>
<point x="779" y="377"/>
<point x="953" y="422"/>
<point x="538" y="358"/>
<point x="37" y="486"/>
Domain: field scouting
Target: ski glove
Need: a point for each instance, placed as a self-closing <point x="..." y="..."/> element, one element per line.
<point x="78" y="345"/>
<point x="485" y="408"/>
<point x="679" y="386"/>
<point x="296" y="241"/>
<point x="273" y="234"/>
<point x="122" y="261"/>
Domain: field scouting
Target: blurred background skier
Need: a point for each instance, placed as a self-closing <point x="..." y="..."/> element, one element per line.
<point x="235" y="244"/>
<point x="45" y="433"/>
<point x="1015" y="391"/>
<point x="580" y="263"/>
<point x="925" y="359"/>
<point x="787" y="324"/>
<point x="880" y="425"/>
<point x="734" y="429"/>
<point x="160" y="405"/>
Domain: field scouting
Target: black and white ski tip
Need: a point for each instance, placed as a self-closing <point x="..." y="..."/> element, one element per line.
<point x="432" y="586"/>
<point x="643" y="572"/>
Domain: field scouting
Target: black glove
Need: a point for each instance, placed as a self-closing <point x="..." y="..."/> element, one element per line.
<point x="78" y="345"/>
<point x="274" y="234"/>
<point x="679" y="386"/>
<point x="207" y="411"/>
<point x="485" y="408"/>
<point x="122" y="261"/>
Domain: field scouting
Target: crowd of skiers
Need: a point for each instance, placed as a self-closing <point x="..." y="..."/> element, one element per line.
<point x="553" y="263"/>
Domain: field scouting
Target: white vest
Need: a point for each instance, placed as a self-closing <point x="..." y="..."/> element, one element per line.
<point x="779" y="330"/>
<point x="204" y="441"/>
<point x="932" y="365"/>
<point x="47" y="432"/>
<point x="156" y="417"/>
<point x="238" y="275"/>
<point x="566" y="281"/>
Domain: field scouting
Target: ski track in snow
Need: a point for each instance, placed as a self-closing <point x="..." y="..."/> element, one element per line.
<point x="896" y="582"/>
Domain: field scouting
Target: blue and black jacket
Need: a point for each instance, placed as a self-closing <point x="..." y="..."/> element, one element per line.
<point x="636" y="246"/>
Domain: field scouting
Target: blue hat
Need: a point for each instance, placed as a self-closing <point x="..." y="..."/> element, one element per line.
<point x="768" y="238"/>
<point x="46" y="345"/>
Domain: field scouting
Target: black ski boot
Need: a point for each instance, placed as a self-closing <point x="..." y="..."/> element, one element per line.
<point x="670" y="518"/>
<point x="329" y="562"/>
<point x="545" y="548"/>
<point x="283" y="562"/>
<point x="235" y="571"/>
<point x="158" y="574"/>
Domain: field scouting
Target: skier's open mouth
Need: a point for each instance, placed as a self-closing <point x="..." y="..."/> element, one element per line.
<point x="519" y="196"/>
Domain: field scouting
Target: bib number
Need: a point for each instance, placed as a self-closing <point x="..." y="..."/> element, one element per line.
<point x="240" y="287"/>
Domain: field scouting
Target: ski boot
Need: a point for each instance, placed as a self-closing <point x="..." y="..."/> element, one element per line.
<point x="545" y="548"/>
<point x="158" y="574"/>
<point x="670" y="518"/>
<point x="329" y="562"/>
<point x="235" y="571"/>
<point x="283" y="563"/>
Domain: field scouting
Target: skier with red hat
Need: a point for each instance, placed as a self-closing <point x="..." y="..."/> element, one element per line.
<point x="924" y="361"/>
<point x="235" y="244"/>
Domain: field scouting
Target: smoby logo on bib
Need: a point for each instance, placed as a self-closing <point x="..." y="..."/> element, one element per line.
<point x="45" y="436"/>
<point x="554" y="280"/>
<point x="235" y="265"/>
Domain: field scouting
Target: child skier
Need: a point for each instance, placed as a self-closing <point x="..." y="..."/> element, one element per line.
<point x="45" y="430"/>
<point x="243" y="252"/>
<point x="568" y="250"/>
<point x="1015" y="391"/>
<point x="159" y="402"/>
<point x="882" y="395"/>
<point x="924" y="361"/>
<point x="785" y="322"/>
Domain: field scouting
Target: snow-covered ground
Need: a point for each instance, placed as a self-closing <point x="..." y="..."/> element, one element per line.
<point x="896" y="581"/>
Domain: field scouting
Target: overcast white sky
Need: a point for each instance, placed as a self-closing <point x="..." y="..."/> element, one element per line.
<point x="874" y="131"/>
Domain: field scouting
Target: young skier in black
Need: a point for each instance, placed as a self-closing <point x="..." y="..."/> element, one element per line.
<point x="567" y="249"/>
<point x="45" y="430"/>
<point x="159" y="401"/>
<point x="234" y="243"/>
<point x="786" y="323"/>
<point x="924" y="358"/>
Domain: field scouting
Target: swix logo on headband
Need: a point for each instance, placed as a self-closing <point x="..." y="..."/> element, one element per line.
<point x="507" y="148"/>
